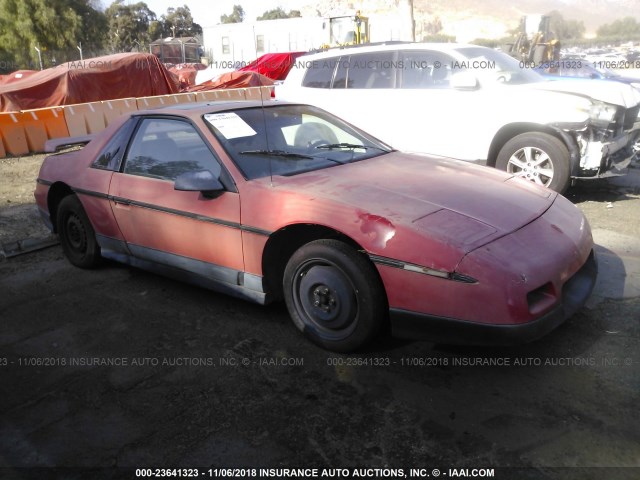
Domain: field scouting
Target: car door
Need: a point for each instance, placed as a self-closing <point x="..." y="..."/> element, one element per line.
<point x="189" y="230"/>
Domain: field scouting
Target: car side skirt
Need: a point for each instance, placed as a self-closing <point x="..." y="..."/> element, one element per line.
<point x="212" y="277"/>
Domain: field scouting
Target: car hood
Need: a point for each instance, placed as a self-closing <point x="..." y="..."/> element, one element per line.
<point x="462" y="204"/>
<point x="615" y="93"/>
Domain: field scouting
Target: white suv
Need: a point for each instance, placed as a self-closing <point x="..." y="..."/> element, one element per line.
<point x="476" y="104"/>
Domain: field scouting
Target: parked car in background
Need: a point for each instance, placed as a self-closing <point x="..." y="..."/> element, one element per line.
<point x="474" y="104"/>
<point x="286" y="201"/>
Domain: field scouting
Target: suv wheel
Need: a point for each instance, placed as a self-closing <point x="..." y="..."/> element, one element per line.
<point x="538" y="157"/>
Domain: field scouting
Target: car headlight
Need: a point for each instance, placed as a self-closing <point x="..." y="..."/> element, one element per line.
<point x="602" y="113"/>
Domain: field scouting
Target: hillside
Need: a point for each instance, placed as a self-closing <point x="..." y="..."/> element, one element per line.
<point x="486" y="18"/>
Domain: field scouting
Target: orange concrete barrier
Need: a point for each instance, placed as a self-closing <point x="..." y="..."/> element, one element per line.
<point x="112" y="109"/>
<point x="259" y="93"/>
<point x="208" y="96"/>
<point x="84" y="118"/>
<point x="254" y="93"/>
<point x="42" y="124"/>
<point x="149" y="103"/>
<point x="22" y="132"/>
<point x="34" y="130"/>
<point x="178" y="98"/>
<point x="13" y="134"/>
<point x="232" y="94"/>
<point x="95" y="117"/>
<point x="221" y="95"/>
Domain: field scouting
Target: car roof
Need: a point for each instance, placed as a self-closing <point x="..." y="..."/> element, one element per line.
<point x="391" y="46"/>
<point x="197" y="109"/>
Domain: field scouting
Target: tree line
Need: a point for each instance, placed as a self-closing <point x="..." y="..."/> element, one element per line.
<point x="60" y="29"/>
<point x="57" y="31"/>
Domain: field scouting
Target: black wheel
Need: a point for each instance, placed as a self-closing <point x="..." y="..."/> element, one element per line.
<point x="334" y="295"/>
<point x="77" y="236"/>
<point x="538" y="157"/>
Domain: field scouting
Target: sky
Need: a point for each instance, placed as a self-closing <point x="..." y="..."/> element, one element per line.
<point x="207" y="12"/>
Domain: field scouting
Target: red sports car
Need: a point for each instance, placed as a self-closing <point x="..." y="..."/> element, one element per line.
<point x="287" y="201"/>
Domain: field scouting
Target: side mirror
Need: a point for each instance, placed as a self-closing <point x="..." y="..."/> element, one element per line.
<point x="464" y="81"/>
<point x="199" y="181"/>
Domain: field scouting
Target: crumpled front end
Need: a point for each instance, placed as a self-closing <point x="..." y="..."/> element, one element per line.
<point x="606" y="144"/>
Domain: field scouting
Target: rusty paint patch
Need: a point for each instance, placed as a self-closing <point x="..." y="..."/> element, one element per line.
<point x="378" y="229"/>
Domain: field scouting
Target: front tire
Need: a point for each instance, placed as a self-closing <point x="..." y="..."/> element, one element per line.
<point x="538" y="157"/>
<point x="77" y="237"/>
<point x="334" y="295"/>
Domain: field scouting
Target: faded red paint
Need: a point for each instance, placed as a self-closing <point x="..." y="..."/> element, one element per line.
<point x="510" y="236"/>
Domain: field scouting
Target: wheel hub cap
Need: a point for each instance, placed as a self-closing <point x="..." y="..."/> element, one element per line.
<point x="327" y="297"/>
<point x="76" y="233"/>
<point x="532" y="164"/>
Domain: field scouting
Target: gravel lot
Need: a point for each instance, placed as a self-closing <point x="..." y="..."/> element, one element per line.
<point x="209" y="381"/>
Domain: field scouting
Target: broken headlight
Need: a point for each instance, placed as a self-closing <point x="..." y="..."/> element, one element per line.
<point x="602" y="114"/>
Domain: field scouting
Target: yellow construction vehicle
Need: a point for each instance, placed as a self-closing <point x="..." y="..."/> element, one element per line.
<point x="347" y="30"/>
<point x="535" y="43"/>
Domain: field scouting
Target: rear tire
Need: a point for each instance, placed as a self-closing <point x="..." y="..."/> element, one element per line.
<point x="538" y="157"/>
<point x="77" y="237"/>
<point x="334" y="295"/>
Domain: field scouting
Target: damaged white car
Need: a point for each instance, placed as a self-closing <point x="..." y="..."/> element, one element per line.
<point x="475" y="104"/>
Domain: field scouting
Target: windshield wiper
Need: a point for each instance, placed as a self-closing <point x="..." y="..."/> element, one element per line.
<point x="353" y="146"/>
<point x="277" y="153"/>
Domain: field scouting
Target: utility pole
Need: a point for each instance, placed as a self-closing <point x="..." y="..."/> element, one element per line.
<point x="39" y="57"/>
<point x="413" y="21"/>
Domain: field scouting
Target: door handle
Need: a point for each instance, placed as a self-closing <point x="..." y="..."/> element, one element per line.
<point x="121" y="202"/>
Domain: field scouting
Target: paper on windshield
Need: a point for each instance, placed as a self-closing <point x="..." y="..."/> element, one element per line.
<point x="230" y="125"/>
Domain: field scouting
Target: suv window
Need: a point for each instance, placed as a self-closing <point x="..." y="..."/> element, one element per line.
<point x="342" y="69"/>
<point x="319" y="74"/>
<point x="425" y="69"/>
<point x="164" y="149"/>
<point x="370" y="70"/>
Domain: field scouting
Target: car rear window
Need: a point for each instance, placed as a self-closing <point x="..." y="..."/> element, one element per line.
<point x="111" y="156"/>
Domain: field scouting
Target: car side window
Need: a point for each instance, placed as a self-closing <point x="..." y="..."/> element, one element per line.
<point x="425" y="69"/>
<point x="164" y="149"/>
<point x="371" y="70"/>
<point x="319" y="73"/>
<point x="111" y="156"/>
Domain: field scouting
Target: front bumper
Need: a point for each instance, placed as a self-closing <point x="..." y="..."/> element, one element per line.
<point x="417" y="326"/>
<point x="601" y="159"/>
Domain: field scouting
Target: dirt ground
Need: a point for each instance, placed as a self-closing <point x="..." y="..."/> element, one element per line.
<point x="106" y="371"/>
<point x="18" y="217"/>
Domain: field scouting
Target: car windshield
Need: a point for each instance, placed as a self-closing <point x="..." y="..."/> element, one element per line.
<point x="493" y="67"/>
<point x="286" y="140"/>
